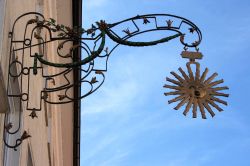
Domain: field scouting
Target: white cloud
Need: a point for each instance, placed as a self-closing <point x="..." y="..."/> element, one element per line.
<point x="116" y="159"/>
<point x="129" y="80"/>
<point x="112" y="98"/>
<point x="100" y="146"/>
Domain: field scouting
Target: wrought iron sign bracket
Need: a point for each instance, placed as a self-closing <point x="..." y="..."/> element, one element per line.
<point x="29" y="60"/>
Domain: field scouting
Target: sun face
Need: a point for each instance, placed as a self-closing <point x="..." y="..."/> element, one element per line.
<point x="196" y="91"/>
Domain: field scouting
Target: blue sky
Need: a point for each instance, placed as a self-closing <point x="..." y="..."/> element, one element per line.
<point x="128" y="122"/>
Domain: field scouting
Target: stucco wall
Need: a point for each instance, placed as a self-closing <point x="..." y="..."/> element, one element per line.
<point x="52" y="131"/>
<point x="2" y="11"/>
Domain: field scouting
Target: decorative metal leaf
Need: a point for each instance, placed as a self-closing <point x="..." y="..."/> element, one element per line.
<point x="61" y="97"/>
<point x="196" y="43"/>
<point x="127" y="31"/>
<point x="48" y="24"/>
<point x="68" y="29"/>
<point x="37" y="36"/>
<point x="25" y="135"/>
<point x="106" y="50"/>
<point x="45" y="95"/>
<point x="62" y="26"/>
<point x="58" y="27"/>
<point x="52" y="80"/>
<point x="33" y="114"/>
<point x="8" y="126"/>
<point x="93" y="26"/>
<point x="145" y="20"/>
<point x="61" y="34"/>
<point x="182" y="38"/>
<point x="191" y="30"/>
<point x="60" y="45"/>
<point x="52" y="20"/>
<point x="98" y="72"/>
<point x="169" y="23"/>
<point x="31" y="21"/>
<point x="93" y="80"/>
<point x="90" y="31"/>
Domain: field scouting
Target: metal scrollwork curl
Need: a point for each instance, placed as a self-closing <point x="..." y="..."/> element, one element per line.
<point x="29" y="58"/>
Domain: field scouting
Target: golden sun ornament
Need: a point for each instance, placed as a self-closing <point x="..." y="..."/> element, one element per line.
<point x="195" y="89"/>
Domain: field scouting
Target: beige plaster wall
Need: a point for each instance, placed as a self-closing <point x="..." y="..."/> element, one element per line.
<point x="61" y="115"/>
<point x="52" y="132"/>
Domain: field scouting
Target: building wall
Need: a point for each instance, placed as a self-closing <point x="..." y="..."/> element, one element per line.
<point x="51" y="141"/>
<point x="2" y="11"/>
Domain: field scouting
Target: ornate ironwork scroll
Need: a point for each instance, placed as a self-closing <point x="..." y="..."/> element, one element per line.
<point x="29" y="60"/>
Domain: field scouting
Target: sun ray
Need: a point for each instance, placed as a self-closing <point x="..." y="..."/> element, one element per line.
<point x="209" y="109"/>
<point x="213" y="93"/>
<point x="176" y="99"/>
<point x="197" y="73"/>
<point x="173" y="93"/>
<point x="190" y="102"/>
<point x="177" y="76"/>
<point x="219" y="88"/>
<point x="173" y="81"/>
<point x="191" y="75"/>
<point x="184" y="74"/>
<point x="210" y="78"/>
<point x="212" y="103"/>
<point x="218" y="100"/>
<point x="203" y="113"/>
<point x="216" y="83"/>
<point x="195" y="104"/>
<point x="172" y="87"/>
<point x="204" y="74"/>
<point x="183" y="101"/>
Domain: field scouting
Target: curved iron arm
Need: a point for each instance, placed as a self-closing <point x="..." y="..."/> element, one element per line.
<point x="75" y="64"/>
<point x="193" y="28"/>
<point x="106" y="30"/>
<point x="100" y="49"/>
